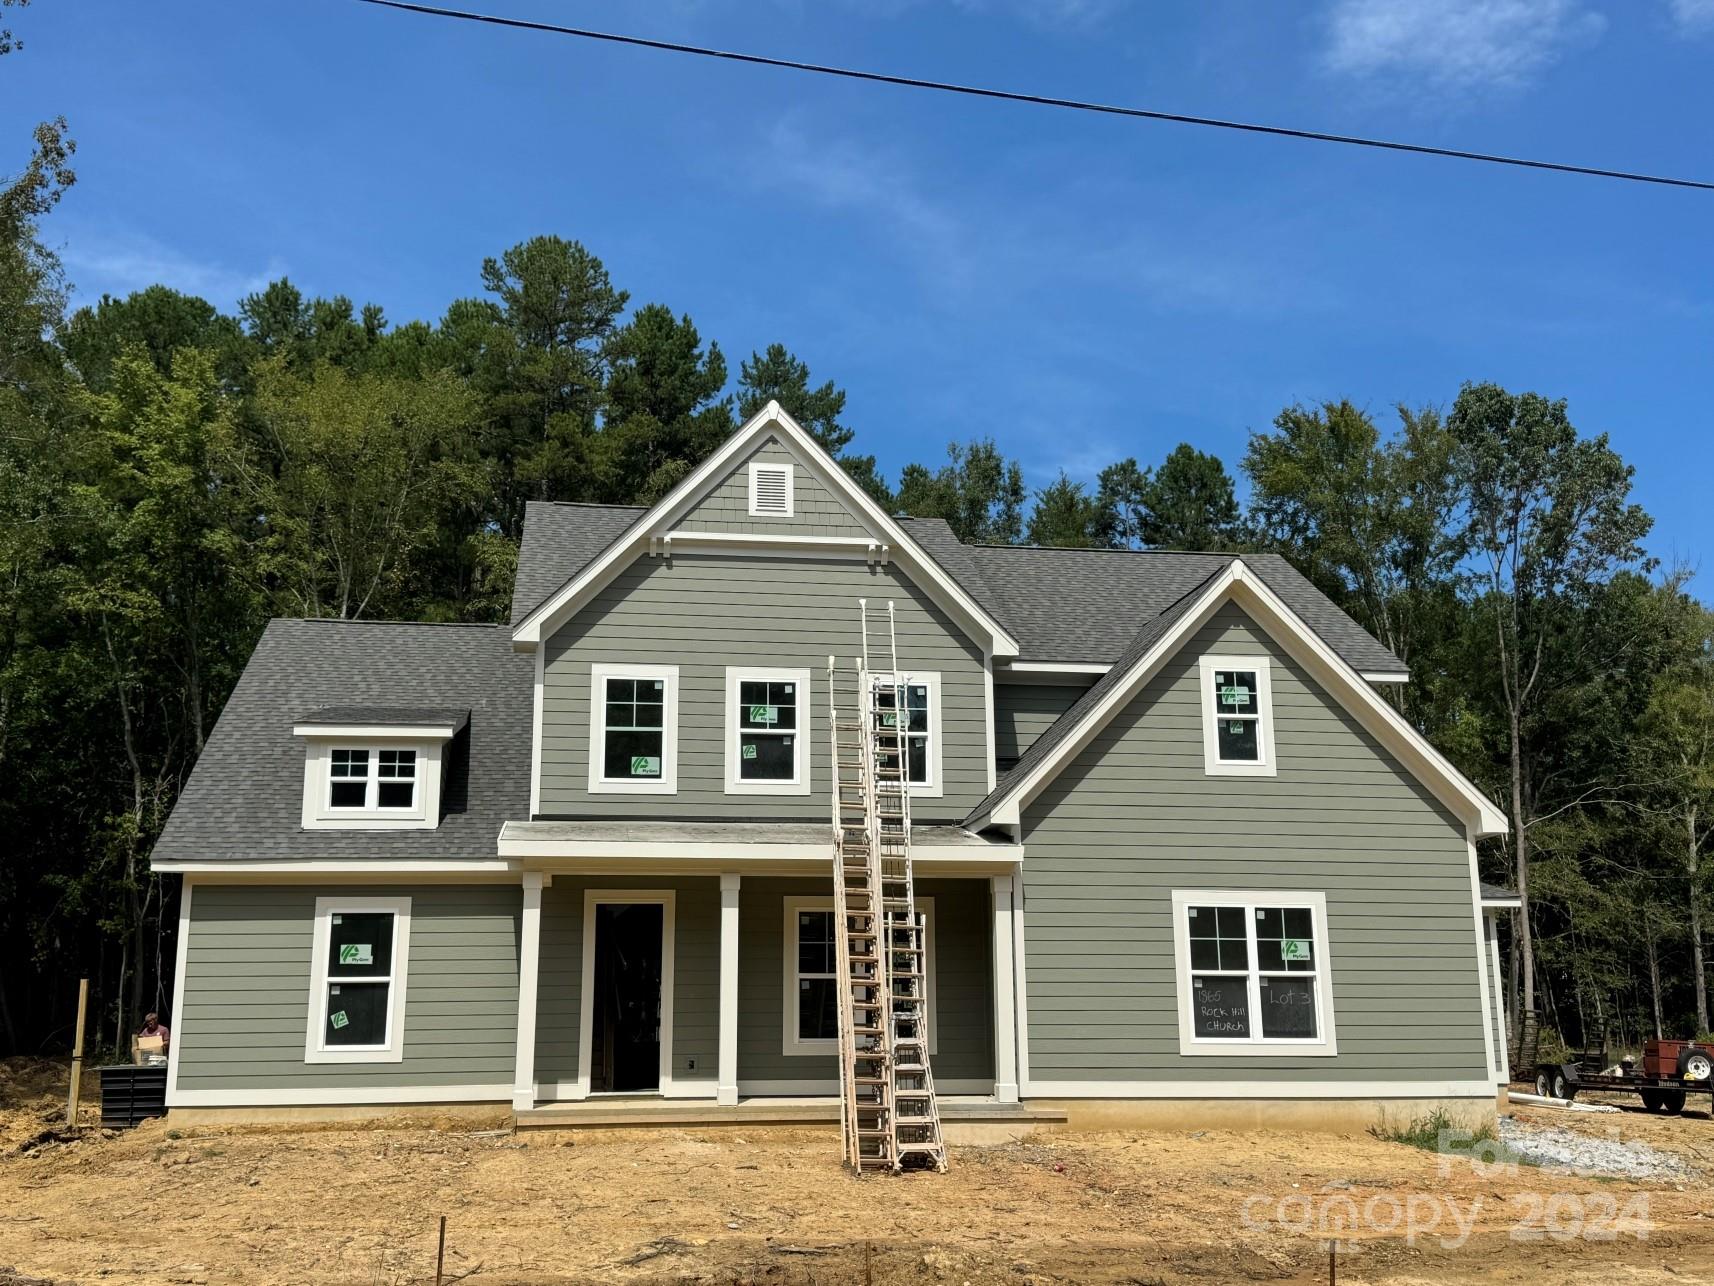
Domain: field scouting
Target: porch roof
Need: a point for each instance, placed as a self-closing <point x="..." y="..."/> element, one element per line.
<point x="681" y="840"/>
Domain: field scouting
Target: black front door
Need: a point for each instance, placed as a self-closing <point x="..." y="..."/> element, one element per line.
<point x="626" y="1041"/>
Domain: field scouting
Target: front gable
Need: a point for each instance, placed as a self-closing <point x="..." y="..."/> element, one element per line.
<point x="815" y="509"/>
<point x="714" y="510"/>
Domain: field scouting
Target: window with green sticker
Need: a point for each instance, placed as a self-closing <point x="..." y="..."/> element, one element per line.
<point x="360" y="949"/>
<point x="768" y="737"/>
<point x="1252" y="971"/>
<point x="634" y="744"/>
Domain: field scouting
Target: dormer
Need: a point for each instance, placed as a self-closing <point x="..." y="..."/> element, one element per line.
<point x="376" y="768"/>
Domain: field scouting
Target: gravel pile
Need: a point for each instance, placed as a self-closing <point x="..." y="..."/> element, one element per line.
<point x="1554" y="1147"/>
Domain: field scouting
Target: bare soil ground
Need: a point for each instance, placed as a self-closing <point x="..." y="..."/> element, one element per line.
<point x="185" y="1206"/>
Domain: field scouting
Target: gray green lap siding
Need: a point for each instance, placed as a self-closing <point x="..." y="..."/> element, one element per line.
<point x="703" y="613"/>
<point x="1023" y="711"/>
<point x="963" y="963"/>
<point x="1135" y="816"/>
<point x="245" y="995"/>
<point x="696" y="975"/>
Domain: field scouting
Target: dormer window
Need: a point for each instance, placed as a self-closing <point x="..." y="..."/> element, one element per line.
<point x="372" y="780"/>
<point x="771" y="490"/>
<point x="375" y="768"/>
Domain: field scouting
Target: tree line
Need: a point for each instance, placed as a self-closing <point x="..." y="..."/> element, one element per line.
<point x="171" y="475"/>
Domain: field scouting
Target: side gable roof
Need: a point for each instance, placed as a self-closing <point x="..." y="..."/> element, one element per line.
<point x="244" y="799"/>
<point x="1160" y="639"/>
<point x="891" y="539"/>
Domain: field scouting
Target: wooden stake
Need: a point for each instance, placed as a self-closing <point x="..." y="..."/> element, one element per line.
<point x="77" y="1052"/>
<point x="868" y="1263"/>
<point x="1332" y="1263"/>
<point x="440" y="1252"/>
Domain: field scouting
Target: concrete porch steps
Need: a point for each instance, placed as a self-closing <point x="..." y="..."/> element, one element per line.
<point x="965" y="1120"/>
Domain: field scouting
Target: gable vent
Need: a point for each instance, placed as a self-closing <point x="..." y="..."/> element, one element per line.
<point x="770" y="491"/>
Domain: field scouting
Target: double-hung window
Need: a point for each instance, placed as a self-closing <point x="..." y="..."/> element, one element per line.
<point x="633" y="729"/>
<point x="368" y="779"/>
<point x="1252" y="972"/>
<point x="357" y="1000"/>
<point x="811" y="1014"/>
<point x="1237" y="716"/>
<point x="767" y="732"/>
<point x="921" y="729"/>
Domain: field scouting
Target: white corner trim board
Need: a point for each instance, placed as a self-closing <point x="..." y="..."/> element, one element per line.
<point x="772" y="420"/>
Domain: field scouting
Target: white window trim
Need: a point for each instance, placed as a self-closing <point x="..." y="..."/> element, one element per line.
<point x="935" y="786"/>
<point x="781" y="466"/>
<point x="790" y="1044"/>
<point x="800" y="780"/>
<point x="315" y="1051"/>
<point x="1211" y="761"/>
<point x="1189" y="1043"/>
<point x="667" y="784"/>
<point x="318" y="813"/>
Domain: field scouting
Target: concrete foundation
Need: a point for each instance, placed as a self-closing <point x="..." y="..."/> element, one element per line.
<point x="456" y="1116"/>
<point x="1331" y="1116"/>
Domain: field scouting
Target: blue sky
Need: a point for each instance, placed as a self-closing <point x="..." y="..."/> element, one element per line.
<point x="1080" y="288"/>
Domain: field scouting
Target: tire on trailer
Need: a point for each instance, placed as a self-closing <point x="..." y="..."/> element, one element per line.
<point x="1543" y="1086"/>
<point x="1694" y="1065"/>
<point x="1672" y="1102"/>
<point x="1563" y="1088"/>
<point x="1651" y="1100"/>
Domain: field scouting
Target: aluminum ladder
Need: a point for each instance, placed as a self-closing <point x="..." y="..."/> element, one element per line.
<point x="891" y="1113"/>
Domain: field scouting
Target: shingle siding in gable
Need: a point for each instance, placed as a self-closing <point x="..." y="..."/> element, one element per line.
<point x="1135" y="816"/>
<point x="816" y="511"/>
<point x="703" y="612"/>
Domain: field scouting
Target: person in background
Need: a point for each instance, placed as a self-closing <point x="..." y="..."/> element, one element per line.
<point x="154" y="1027"/>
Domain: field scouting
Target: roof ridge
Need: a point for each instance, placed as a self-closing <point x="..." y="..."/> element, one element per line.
<point x="586" y="504"/>
<point x="1100" y="549"/>
<point x="345" y="620"/>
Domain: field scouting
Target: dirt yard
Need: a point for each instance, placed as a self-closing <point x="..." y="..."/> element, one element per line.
<point x="160" y="1205"/>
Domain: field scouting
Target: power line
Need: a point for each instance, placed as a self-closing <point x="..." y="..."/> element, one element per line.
<point x="1040" y="100"/>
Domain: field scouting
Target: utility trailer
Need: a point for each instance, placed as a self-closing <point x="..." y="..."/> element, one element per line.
<point x="1671" y="1071"/>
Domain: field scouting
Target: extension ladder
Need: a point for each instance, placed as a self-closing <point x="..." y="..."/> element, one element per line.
<point x="888" y="1110"/>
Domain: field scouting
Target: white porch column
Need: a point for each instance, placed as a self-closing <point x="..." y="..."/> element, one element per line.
<point x="1005" y="1009"/>
<point x="727" y="1089"/>
<point x="529" y="964"/>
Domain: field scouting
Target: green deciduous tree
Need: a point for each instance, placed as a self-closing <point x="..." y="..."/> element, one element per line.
<point x="351" y="477"/>
<point x="1548" y="517"/>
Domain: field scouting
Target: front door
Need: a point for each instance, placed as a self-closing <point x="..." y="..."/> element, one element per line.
<point x="625" y="1051"/>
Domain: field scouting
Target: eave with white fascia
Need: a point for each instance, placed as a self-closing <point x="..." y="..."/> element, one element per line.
<point x="888" y="541"/>
<point x="1350" y="688"/>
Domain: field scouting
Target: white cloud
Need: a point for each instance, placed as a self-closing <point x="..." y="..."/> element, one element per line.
<point x="1459" y="44"/>
<point x="1694" y="17"/>
<point x="117" y="262"/>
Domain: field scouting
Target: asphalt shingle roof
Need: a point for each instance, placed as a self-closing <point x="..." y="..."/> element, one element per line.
<point x="387" y="716"/>
<point x="244" y="800"/>
<point x="559" y="541"/>
<point x="1068" y="605"/>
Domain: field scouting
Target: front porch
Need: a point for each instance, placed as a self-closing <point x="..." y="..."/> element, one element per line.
<point x="967" y="1120"/>
<point x="739" y="1025"/>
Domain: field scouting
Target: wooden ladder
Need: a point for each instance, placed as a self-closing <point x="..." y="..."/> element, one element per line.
<point x="891" y="1114"/>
